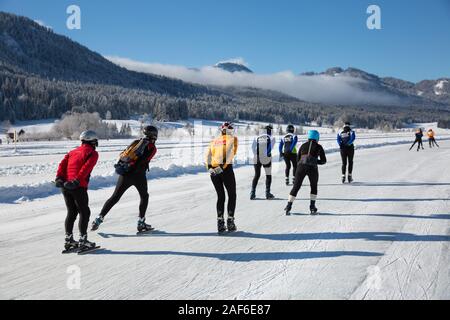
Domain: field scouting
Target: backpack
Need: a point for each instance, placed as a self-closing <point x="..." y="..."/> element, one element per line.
<point x="288" y="140"/>
<point x="130" y="156"/>
<point x="309" y="160"/>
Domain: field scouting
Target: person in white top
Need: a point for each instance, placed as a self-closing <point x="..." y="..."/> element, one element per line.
<point x="262" y="150"/>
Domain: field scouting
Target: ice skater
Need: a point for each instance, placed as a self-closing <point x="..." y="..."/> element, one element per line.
<point x="132" y="169"/>
<point x="431" y="138"/>
<point x="310" y="155"/>
<point x="219" y="162"/>
<point x="73" y="179"/>
<point x="262" y="150"/>
<point x="345" y="140"/>
<point x="418" y="140"/>
<point x="288" y="152"/>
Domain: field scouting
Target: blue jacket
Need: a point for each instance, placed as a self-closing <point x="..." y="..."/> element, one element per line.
<point x="346" y="138"/>
<point x="293" y="148"/>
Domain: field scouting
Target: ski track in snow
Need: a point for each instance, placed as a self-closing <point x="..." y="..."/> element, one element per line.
<point x="384" y="237"/>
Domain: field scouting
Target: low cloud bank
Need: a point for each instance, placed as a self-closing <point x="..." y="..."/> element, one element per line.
<point x="317" y="88"/>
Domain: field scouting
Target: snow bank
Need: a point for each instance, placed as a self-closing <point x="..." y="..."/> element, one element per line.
<point x="28" y="192"/>
<point x="24" y="193"/>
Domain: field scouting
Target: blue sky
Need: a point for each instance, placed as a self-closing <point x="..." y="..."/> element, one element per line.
<point x="272" y="36"/>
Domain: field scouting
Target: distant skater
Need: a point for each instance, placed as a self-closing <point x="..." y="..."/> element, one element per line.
<point x="431" y="138"/>
<point x="419" y="136"/>
<point x="288" y="152"/>
<point x="345" y="140"/>
<point x="310" y="155"/>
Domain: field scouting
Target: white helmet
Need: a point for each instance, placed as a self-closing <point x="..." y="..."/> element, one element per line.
<point x="88" y="136"/>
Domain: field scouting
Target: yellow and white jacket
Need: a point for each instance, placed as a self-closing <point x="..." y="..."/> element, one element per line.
<point x="221" y="152"/>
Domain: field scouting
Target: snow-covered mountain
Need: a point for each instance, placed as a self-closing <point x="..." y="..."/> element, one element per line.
<point x="232" y="67"/>
<point x="437" y="91"/>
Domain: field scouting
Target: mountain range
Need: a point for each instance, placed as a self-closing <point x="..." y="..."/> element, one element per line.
<point x="43" y="74"/>
<point x="435" y="90"/>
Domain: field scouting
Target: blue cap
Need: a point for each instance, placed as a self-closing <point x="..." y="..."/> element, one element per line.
<point x="313" y="135"/>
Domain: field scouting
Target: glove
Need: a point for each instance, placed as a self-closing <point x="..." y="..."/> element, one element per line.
<point x="72" y="185"/>
<point x="59" y="182"/>
<point x="215" y="171"/>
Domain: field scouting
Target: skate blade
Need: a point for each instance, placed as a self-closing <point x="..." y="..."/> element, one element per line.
<point x="145" y="232"/>
<point x="86" y="251"/>
<point x="74" y="250"/>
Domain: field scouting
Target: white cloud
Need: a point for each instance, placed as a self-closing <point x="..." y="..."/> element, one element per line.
<point x="317" y="88"/>
<point x="42" y="24"/>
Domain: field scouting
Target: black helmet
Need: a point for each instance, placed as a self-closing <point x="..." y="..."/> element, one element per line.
<point x="347" y="126"/>
<point x="150" y="132"/>
<point x="290" y="128"/>
<point x="269" y="129"/>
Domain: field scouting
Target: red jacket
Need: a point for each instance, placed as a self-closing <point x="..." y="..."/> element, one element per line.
<point x="78" y="164"/>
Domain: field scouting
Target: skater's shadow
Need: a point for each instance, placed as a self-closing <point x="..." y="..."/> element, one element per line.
<point x="264" y="199"/>
<point x="247" y="256"/>
<point x="387" y="215"/>
<point x="388" y="184"/>
<point x="386" y="199"/>
<point x="367" y="236"/>
<point x="118" y="235"/>
<point x="307" y="214"/>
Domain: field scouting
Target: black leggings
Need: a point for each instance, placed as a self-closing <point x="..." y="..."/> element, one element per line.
<point x="77" y="202"/>
<point x="225" y="179"/>
<point x="123" y="183"/>
<point x="302" y="171"/>
<point x="290" y="158"/>
<point x="347" y="155"/>
<point x="268" y="168"/>
<point x="419" y="144"/>
<point x="432" y="142"/>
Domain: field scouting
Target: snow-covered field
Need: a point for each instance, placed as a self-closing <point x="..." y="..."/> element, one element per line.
<point x="386" y="236"/>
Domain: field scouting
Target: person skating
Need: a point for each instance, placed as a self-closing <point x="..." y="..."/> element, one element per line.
<point x="132" y="169"/>
<point x="310" y="155"/>
<point x="431" y="138"/>
<point x="345" y="140"/>
<point x="73" y="178"/>
<point x="219" y="162"/>
<point x="418" y="140"/>
<point x="262" y="147"/>
<point x="288" y="151"/>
